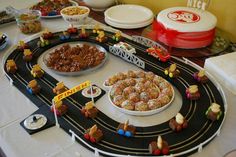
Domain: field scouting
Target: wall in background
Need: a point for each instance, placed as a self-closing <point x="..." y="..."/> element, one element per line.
<point x="224" y="10"/>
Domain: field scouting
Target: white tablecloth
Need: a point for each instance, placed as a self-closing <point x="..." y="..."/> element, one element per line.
<point x="14" y="107"/>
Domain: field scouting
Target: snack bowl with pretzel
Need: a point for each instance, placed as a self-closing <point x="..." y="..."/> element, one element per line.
<point x="75" y="14"/>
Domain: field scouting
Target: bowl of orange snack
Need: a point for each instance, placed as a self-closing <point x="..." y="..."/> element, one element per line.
<point x="75" y="14"/>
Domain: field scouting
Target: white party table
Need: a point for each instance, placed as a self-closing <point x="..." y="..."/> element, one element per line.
<point x="54" y="142"/>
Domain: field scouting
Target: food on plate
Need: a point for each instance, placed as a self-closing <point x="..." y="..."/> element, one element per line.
<point x="192" y="92"/>
<point x="60" y="108"/>
<point x="125" y="129"/>
<point x="11" y="66"/>
<point x="51" y="7"/>
<point x="138" y="91"/>
<point x="29" y="22"/>
<point x="125" y="46"/>
<point x="27" y="55"/>
<point x="93" y="134"/>
<point x="36" y="71"/>
<point x="43" y="42"/>
<point x="64" y="36"/>
<point x="89" y="110"/>
<point x="200" y="76"/>
<point x="159" y="147"/>
<point x="159" y="53"/>
<point x="74" y="59"/>
<point x="178" y="123"/>
<point x="214" y="112"/>
<point x="101" y="37"/>
<point x="33" y="87"/>
<point x="76" y="10"/>
<point x="172" y="71"/>
<point x="22" y="45"/>
<point x="60" y="88"/>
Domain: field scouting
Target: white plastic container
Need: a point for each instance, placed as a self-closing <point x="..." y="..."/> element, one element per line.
<point x="99" y="5"/>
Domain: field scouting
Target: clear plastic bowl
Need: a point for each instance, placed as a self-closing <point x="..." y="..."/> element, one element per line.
<point x="28" y="21"/>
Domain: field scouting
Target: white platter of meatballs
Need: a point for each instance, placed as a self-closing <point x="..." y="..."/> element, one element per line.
<point x="139" y="93"/>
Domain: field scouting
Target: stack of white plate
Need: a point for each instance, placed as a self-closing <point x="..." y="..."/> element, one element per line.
<point x="128" y="16"/>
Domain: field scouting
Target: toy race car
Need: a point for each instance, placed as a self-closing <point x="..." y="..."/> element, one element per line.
<point x="158" y="53"/>
<point x="125" y="46"/>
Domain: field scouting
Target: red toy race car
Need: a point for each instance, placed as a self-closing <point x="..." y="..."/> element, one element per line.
<point x="158" y="53"/>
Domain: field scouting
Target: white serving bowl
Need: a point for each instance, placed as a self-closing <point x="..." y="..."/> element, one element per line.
<point x="77" y="18"/>
<point x="99" y="5"/>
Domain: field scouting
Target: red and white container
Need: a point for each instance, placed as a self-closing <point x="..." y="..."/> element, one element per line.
<point x="185" y="27"/>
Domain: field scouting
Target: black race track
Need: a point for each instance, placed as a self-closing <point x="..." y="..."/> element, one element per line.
<point x="200" y="129"/>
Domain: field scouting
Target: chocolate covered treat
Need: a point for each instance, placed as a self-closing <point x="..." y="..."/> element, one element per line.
<point x="89" y="111"/>
<point x="172" y="71"/>
<point x="60" y="108"/>
<point x="101" y="37"/>
<point x="64" y="36"/>
<point x="33" y="87"/>
<point x="11" y="66"/>
<point x="83" y="34"/>
<point x="36" y="71"/>
<point x="72" y="30"/>
<point x="178" y="123"/>
<point x="126" y="130"/>
<point x="96" y="29"/>
<point x="200" y="76"/>
<point x="117" y="36"/>
<point x="93" y="134"/>
<point x="214" y="112"/>
<point x="43" y="42"/>
<point x="27" y="55"/>
<point x="47" y="35"/>
<point x="22" y="45"/>
<point x="192" y="92"/>
<point x="159" y="147"/>
<point x="60" y="88"/>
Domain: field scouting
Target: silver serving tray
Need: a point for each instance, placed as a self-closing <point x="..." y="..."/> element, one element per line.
<point x="82" y="72"/>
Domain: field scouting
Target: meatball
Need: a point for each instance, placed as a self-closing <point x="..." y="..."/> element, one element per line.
<point x="154" y="104"/>
<point x="157" y="80"/>
<point x="118" y="100"/>
<point x="134" y="97"/>
<point x="116" y="91"/>
<point x="129" y="105"/>
<point x="128" y="90"/>
<point x="149" y="75"/>
<point x="140" y="74"/>
<point x="130" y="82"/>
<point x="141" y="106"/>
<point x="144" y="96"/>
<point x="139" y="87"/>
<point x="131" y="74"/>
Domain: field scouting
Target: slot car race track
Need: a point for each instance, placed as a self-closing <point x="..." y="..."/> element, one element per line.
<point x="199" y="132"/>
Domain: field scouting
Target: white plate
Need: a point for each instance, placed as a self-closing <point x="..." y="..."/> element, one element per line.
<point x="128" y="14"/>
<point x="56" y="16"/>
<point x="139" y="113"/>
<point x="39" y="123"/>
<point x="128" y="26"/>
<point x="142" y="113"/>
